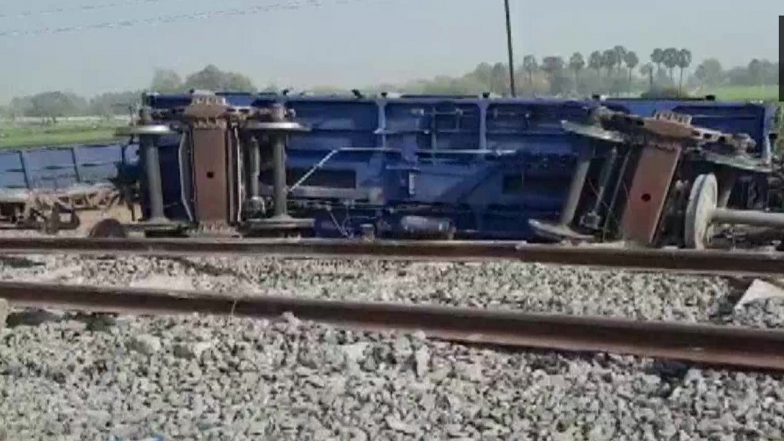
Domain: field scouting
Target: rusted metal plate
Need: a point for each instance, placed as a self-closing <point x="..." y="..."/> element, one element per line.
<point x="674" y="127"/>
<point x="648" y="193"/>
<point x="212" y="160"/>
<point x="210" y="176"/>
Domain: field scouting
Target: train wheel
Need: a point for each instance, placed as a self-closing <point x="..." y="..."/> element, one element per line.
<point x="702" y="202"/>
<point x="108" y="229"/>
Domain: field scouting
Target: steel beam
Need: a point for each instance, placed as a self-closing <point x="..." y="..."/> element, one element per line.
<point x="686" y="261"/>
<point x="702" y="344"/>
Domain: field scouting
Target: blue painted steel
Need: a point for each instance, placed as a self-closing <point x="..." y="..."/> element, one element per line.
<point x="57" y="168"/>
<point x="488" y="165"/>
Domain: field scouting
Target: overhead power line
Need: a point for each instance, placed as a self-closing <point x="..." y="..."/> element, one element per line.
<point x="167" y="19"/>
<point x="79" y="8"/>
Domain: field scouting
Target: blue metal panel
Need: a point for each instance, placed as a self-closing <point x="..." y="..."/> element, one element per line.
<point x="56" y="168"/>
<point x="487" y="164"/>
<point x="97" y="165"/>
<point x="12" y="171"/>
<point x="51" y="168"/>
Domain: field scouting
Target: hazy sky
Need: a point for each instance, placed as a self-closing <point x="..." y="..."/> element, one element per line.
<point x="350" y="43"/>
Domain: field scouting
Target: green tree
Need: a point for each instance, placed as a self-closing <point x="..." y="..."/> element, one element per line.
<point x="770" y="72"/>
<point x="212" y="78"/>
<point x="595" y="62"/>
<point x="647" y="70"/>
<point x="56" y="104"/>
<point x="483" y="73"/>
<point x="554" y="67"/>
<point x="683" y="61"/>
<point x="755" y="72"/>
<point x="166" y="81"/>
<point x="110" y="104"/>
<point x="620" y="56"/>
<point x="20" y="106"/>
<point x="577" y="64"/>
<point x="609" y="60"/>
<point x="709" y="72"/>
<point x="657" y="58"/>
<point x="530" y="65"/>
<point x="631" y="61"/>
<point x="670" y="60"/>
<point x="499" y="80"/>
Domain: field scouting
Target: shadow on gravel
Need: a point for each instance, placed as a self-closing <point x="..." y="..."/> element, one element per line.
<point x="95" y="322"/>
<point x="722" y="309"/>
<point x="208" y="269"/>
<point x="19" y="262"/>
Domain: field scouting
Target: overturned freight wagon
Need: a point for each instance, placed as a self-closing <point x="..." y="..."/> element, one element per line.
<point x="652" y="172"/>
<point x="661" y="172"/>
<point x="47" y="187"/>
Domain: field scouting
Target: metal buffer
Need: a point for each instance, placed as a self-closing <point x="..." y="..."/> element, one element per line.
<point x="277" y="126"/>
<point x="703" y="214"/>
<point x="149" y="133"/>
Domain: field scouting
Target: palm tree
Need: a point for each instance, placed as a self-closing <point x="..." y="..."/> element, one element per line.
<point x="670" y="61"/>
<point x="552" y="66"/>
<point x="683" y="61"/>
<point x="647" y="70"/>
<point x="609" y="60"/>
<point x="576" y="64"/>
<point x="631" y="61"/>
<point x="530" y="66"/>
<point x="620" y="52"/>
<point x="657" y="57"/>
<point x="595" y="62"/>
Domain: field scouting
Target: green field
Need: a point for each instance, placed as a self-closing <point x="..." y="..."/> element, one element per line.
<point x="27" y="135"/>
<point x="745" y="93"/>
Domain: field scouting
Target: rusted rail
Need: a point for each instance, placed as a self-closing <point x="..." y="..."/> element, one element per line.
<point x="706" y="262"/>
<point x="709" y="345"/>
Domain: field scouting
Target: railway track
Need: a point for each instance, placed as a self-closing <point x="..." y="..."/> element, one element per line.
<point x="702" y="344"/>
<point x="686" y="261"/>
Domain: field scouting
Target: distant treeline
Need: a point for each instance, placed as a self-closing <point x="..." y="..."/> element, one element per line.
<point x="614" y="71"/>
<point x="58" y="104"/>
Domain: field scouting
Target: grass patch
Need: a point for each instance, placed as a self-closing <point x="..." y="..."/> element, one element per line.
<point x="19" y="135"/>
<point x="745" y="93"/>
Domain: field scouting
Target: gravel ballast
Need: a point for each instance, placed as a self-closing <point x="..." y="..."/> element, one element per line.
<point x="225" y="379"/>
<point x="527" y="287"/>
<point x="134" y="378"/>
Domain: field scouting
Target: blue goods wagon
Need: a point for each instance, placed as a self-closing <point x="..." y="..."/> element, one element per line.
<point x="653" y="172"/>
<point x="444" y="167"/>
<point x="38" y="185"/>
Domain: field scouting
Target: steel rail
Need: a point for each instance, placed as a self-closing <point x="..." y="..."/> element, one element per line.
<point x="701" y="344"/>
<point x="689" y="261"/>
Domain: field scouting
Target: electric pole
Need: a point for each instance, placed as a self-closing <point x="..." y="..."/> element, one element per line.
<point x="510" y="50"/>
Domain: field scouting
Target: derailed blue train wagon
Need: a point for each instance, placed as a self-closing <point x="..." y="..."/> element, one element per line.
<point x="36" y="183"/>
<point x="651" y="171"/>
<point x="424" y="166"/>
